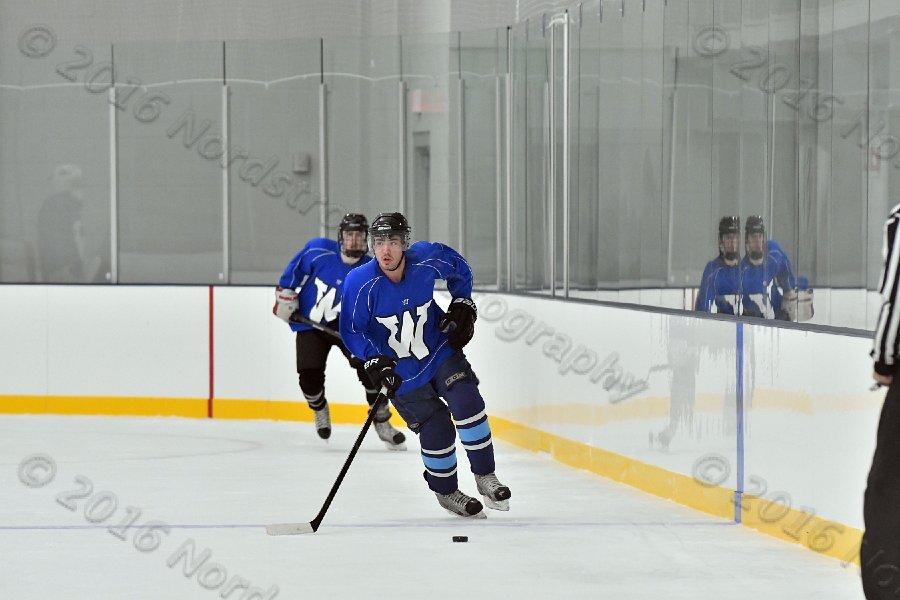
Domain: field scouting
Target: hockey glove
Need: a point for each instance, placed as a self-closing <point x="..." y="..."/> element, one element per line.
<point x="286" y="303"/>
<point x="380" y="370"/>
<point x="459" y="322"/>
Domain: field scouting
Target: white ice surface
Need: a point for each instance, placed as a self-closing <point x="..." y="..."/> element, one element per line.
<point x="569" y="534"/>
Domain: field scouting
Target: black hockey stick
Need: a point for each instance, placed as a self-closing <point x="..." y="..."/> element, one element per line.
<point x="298" y="319"/>
<point x="313" y="526"/>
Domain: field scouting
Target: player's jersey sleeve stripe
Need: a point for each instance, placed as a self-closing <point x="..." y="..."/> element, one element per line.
<point x="297" y="281"/>
<point x="371" y="284"/>
<point x="356" y="301"/>
<point x="323" y="253"/>
<point x="422" y="264"/>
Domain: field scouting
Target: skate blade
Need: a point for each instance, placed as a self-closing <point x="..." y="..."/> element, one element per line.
<point x="495" y="504"/>
<point x="401" y="447"/>
<point x="480" y="515"/>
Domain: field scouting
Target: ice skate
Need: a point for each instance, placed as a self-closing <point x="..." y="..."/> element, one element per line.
<point x="496" y="495"/>
<point x="458" y="503"/>
<point x="387" y="433"/>
<point x="323" y="422"/>
<point x="392" y="437"/>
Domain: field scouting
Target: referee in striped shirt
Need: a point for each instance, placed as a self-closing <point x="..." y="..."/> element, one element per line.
<point x="880" y="552"/>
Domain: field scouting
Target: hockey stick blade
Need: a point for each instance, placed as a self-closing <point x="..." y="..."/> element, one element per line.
<point x="313" y="526"/>
<point x="289" y="528"/>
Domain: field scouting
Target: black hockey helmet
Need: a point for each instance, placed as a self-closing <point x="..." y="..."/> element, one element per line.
<point x="388" y="224"/>
<point x="754" y="224"/>
<point x="352" y="222"/>
<point x="729" y="224"/>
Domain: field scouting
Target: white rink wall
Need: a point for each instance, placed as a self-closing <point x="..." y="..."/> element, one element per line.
<point x="602" y="376"/>
<point x="808" y="423"/>
<point x="104" y="341"/>
<point x="811" y="419"/>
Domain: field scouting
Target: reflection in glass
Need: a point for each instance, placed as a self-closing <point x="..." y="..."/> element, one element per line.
<point x="54" y="169"/>
<point x="654" y="122"/>
<point x="274" y="113"/>
<point x="362" y="78"/>
<point x="170" y="170"/>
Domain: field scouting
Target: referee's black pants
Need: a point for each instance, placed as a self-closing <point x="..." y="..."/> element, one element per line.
<point x="880" y="552"/>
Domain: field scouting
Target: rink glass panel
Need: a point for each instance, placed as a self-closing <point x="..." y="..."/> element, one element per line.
<point x="431" y="199"/>
<point x="54" y="166"/>
<point x="482" y="65"/>
<point x="274" y="117"/>
<point x="678" y="113"/>
<point x="170" y="199"/>
<point x="361" y="77"/>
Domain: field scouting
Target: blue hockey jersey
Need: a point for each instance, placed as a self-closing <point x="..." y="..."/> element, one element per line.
<point x="400" y="320"/>
<point x="720" y="286"/>
<point x="760" y="283"/>
<point x="320" y="274"/>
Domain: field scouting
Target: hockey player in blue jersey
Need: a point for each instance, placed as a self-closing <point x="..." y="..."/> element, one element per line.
<point x="319" y="271"/>
<point x="766" y="275"/>
<point x="414" y="350"/>
<point x="720" y="285"/>
<point x="719" y="288"/>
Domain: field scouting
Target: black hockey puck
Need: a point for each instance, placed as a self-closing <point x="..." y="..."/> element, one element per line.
<point x="460" y="538"/>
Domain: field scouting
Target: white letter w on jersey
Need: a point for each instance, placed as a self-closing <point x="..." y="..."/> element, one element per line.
<point x="412" y="334"/>
<point x="325" y="306"/>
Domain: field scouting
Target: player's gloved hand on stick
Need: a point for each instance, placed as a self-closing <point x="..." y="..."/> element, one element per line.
<point x="380" y="370"/>
<point x="459" y="322"/>
<point x="286" y="303"/>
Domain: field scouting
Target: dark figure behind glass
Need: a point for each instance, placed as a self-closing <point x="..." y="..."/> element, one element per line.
<point x="60" y="234"/>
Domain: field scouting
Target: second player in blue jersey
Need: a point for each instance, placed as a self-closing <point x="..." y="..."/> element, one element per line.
<point x="319" y="271"/>
<point x="766" y="274"/>
<point x="720" y="286"/>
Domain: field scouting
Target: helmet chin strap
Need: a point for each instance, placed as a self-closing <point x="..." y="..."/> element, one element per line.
<point x="399" y="262"/>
